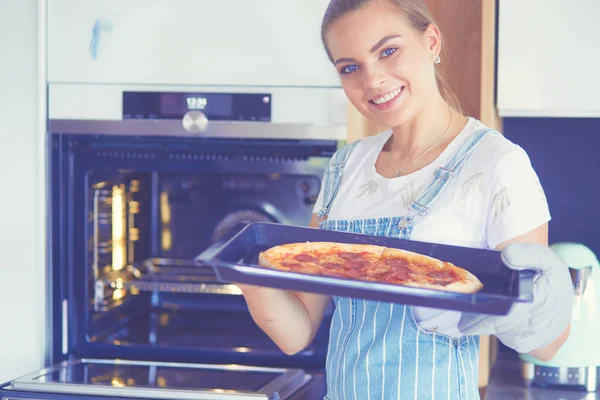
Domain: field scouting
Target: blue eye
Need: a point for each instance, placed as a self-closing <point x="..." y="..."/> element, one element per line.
<point x="389" y="51"/>
<point x="348" y="69"/>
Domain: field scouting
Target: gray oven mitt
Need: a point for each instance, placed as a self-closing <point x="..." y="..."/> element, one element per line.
<point x="530" y="326"/>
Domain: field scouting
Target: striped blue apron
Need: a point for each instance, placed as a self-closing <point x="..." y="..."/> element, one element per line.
<point x="376" y="349"/>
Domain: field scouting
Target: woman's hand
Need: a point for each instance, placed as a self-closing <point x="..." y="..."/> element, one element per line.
<point x="541" y="327"/>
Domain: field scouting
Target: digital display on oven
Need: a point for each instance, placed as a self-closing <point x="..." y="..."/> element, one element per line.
<point x="216" y="106"/>
<point x="213" y="104"/>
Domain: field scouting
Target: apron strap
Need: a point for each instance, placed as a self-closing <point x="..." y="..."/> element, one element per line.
<point x="443" y="175"/>
<point x="332" y="178"/>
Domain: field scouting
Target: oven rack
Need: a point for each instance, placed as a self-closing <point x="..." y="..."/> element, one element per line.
<point x="158" y="275"/>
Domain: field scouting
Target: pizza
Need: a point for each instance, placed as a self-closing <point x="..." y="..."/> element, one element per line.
<point x="370" y="263"/>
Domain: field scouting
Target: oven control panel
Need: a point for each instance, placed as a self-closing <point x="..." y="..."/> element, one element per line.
<point x="215" y="106"/>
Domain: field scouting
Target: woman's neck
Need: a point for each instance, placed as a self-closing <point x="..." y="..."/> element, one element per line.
<point x="424" y="130"/>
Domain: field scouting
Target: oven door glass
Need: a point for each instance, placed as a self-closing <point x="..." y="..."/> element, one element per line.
<point x="140" y="218"/>
<point x="154" y="380"/>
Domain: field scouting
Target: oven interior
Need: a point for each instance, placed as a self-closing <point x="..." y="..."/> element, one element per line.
<point x="133" y="213"/>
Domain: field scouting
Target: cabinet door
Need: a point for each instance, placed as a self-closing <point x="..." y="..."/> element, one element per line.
<point x="224" y="42"/>
<point x="548" y="58"/>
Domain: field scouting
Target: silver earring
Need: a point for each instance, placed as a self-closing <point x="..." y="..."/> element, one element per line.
<point x="437" y="60"/>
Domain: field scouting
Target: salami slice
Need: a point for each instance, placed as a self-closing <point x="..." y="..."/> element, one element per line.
<point x="442" y="277"/>
<point x="350" y="256"/>
<point x="303" y="257"/>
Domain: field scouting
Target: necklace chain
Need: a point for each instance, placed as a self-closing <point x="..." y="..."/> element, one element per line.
<point x="398" y="173"/>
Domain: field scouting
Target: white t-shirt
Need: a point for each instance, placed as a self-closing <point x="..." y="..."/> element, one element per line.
<point x="496" y="196"/>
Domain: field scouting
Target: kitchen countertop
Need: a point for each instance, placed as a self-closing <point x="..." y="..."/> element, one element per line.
<point x="506" y="384"/>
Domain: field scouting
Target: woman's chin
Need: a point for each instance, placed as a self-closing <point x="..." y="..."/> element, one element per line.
<point x="391" y="121"/>
<point x="391" y="118"/>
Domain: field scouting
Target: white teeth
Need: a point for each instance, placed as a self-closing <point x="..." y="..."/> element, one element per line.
<point x="387" y="97"/>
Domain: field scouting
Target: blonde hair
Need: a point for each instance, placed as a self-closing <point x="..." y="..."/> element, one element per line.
<point x="419" y="17"/>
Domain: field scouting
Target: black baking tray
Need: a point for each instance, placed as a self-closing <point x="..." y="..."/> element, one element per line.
<point x="235" y="258"/>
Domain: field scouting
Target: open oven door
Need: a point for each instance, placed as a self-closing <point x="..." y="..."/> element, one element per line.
<point x="151" y="380"/>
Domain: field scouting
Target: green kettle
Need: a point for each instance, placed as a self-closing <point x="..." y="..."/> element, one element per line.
<point x="578" y="361"/>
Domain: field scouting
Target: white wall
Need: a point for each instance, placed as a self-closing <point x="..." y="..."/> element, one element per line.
<point x="22" y="264"/>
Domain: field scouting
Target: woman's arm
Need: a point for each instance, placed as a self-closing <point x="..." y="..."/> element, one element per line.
<point x="547" y="353"/>
<point x="540" y="236"/>
<point x="290" y="319"/>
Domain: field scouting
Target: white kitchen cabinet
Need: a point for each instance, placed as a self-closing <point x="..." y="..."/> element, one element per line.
<point x="189" y="42"/>
<point x="548" y="58"/>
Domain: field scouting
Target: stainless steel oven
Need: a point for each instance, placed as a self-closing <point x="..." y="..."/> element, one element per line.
<point x="133" y="202"/>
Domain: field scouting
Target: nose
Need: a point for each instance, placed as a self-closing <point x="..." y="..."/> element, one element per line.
<point x="373" y="78"/>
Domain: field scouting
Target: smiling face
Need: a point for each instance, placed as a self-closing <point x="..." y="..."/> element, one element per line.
<point x="385" y="65"/>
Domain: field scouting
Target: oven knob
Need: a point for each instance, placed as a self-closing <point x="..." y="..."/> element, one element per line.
<point x="195" y="122"/>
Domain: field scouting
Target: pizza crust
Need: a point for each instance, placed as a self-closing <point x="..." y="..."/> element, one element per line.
<point x="469" y="285"/>
<point x="264" y="261"/>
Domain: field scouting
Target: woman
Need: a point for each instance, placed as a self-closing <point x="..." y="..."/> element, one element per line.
<point x="435" y="176"/>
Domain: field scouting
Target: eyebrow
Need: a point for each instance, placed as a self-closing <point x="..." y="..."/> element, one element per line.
<point x="373" y="49"/>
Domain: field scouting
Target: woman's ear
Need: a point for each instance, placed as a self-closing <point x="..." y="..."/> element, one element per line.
<point x="433" y="40"/>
